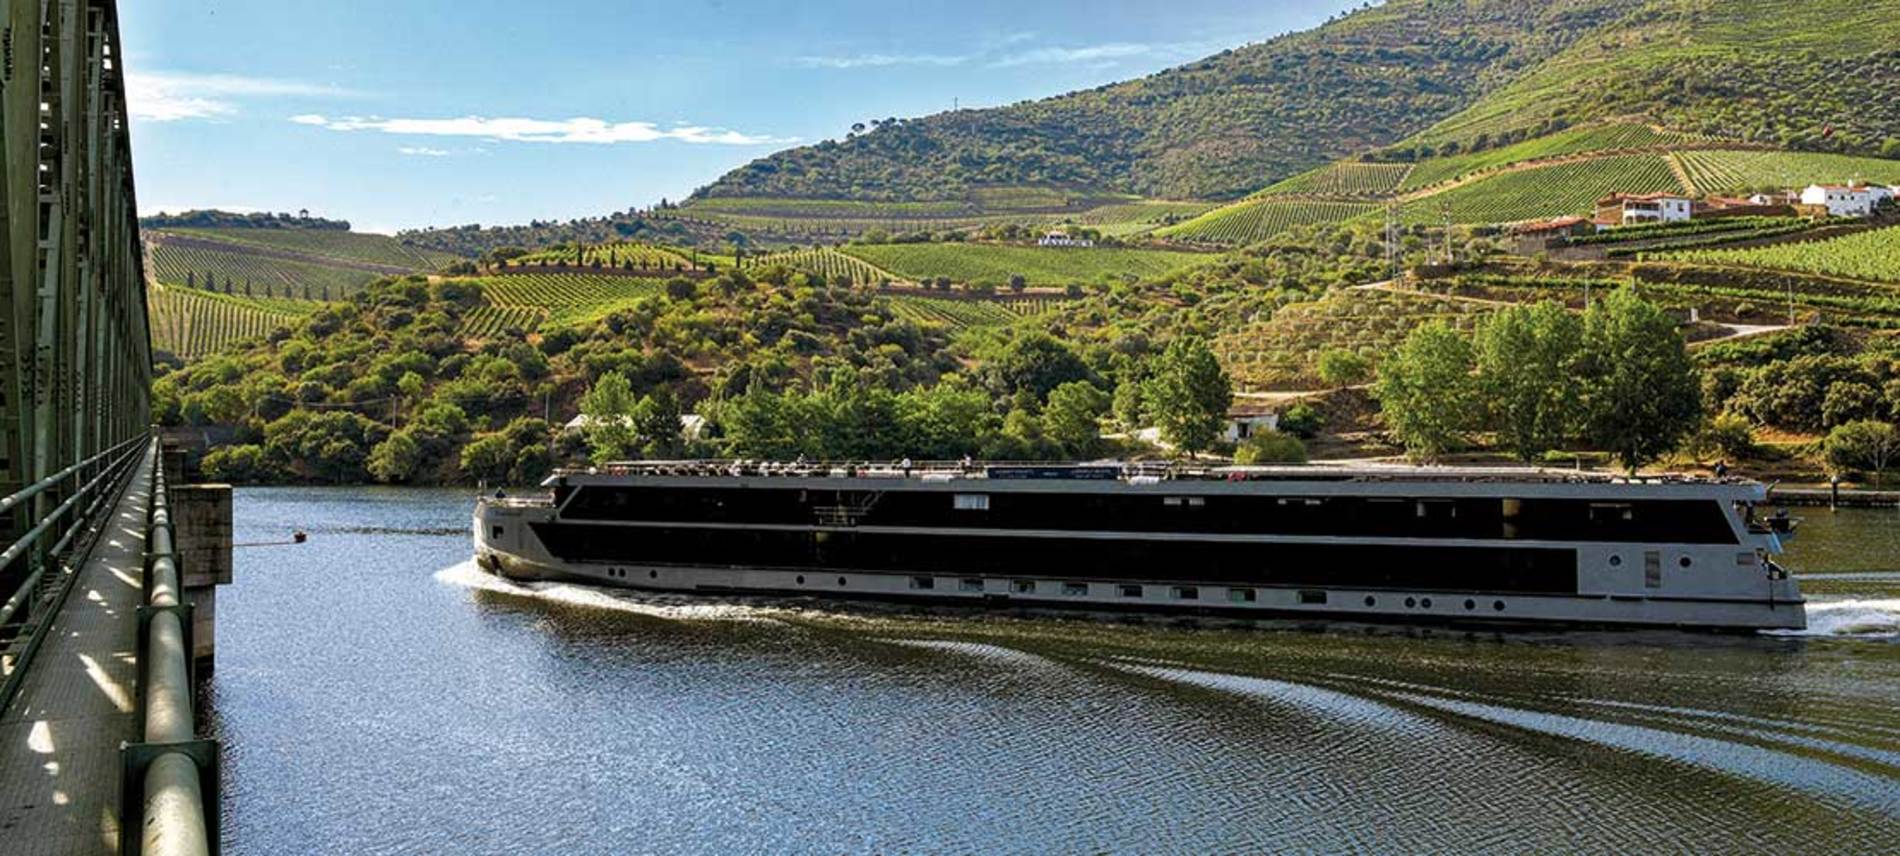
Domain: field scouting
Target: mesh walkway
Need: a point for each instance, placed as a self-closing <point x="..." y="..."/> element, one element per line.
<point x="59" y="741"/>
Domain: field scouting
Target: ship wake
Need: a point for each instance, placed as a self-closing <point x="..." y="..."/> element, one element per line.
<point x="1861" y="619"/>
<point x="651" y="605"/>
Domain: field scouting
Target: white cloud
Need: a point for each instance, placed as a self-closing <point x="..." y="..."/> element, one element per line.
<point x="162" y="96"/>
<point x="424" y="151"/>
<point x="1089" y="53"/>
<point x="576" y="130"/>
<point x="880" y="60"/>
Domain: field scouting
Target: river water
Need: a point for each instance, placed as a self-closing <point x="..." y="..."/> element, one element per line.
<point x="376" y="694"/>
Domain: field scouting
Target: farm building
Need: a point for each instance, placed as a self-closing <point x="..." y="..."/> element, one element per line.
<point x="1063" y="239"/>
<point x="1722" y="206"/>
<point x="1842" y="200"/>
<point x="1244" y="419"/>
<point x="1623" y="209"/>
<point x="1537" y="235"/>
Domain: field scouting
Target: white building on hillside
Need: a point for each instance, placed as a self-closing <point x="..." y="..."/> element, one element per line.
<point x="1842" y="200"/>
<point x="1624" y="209"/>
<point x="1062" y="239"/>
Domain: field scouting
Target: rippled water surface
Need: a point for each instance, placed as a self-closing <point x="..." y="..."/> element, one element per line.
<point x="376" y="694"/>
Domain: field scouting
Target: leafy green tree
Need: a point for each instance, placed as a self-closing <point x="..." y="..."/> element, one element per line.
<point x="1427" y="393"/>
<point x="1340" y="367"/>
<point x="1189" y="395"/>
<point x="1863" y="446"/>
<point x="1131" y="402"/>
<point x="1729" y="435"/>
<point x="609" y="428"/>
<point x="1018" y="282"/>
<point x="1642" y="394"/>
<point x="1526" y="359"/>
<point x="395" y="459"/>
<point x="237" y="464"/>
<point x="656" y="420"/>
<point x="1073" y="417"/>
<point x="1035" y="362"/>
<point x="1270" y="447"/>
<point x="488" y="458"/>
<point x="1849" y="401"/>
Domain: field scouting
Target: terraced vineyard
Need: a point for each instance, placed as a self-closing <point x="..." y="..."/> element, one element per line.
<point x="616" y="255"/>
<point x="827" y="208"/>
<point x="1622" y="135"/>
<point x="490" y="321"/>
<point x="268" y="276"/>
<point x="1255" y="219"/>
<point x="1283" y="351"/>
<point x="1729" y="171"/>
<point x="1344" y="178"/>
<point x="190" y="323"/>
<point x="1872" y="255"/>
<point x="530" y="300"/>
<point x="1147" y="212"/>
<point x="834" y="266"/>
<point x="331" y="243"/>
<point x="1041" y="266"/>
<point x="1548" y="191"/>
<point x="956" y="314"/>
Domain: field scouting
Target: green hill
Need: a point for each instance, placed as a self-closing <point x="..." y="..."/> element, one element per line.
<point x="1403" y="82"/>
<point x="304" y="264"/>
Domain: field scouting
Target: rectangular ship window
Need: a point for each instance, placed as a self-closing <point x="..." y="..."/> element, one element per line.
<point x="1023" y="586"/>
<point x="1242" y="595"/>
<point x="923" y="582"/>
<point x="1075" y="589"/>
<point x="1313" y="598"/>
<point x="494" y="533"/>
<point x="1130" y="591"/>
<point x="971" y="502"/>
<point x="1652" y="569"/>
<point x="971" y="584"/>
<point x="1185" y="593"/>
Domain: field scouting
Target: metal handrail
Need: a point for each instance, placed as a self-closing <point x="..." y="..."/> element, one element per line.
<point x="19" y="547"/>
<point x="32" y="490"/>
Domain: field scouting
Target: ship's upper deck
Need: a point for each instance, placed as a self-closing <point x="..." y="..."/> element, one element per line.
<point x="1134" y="472"/>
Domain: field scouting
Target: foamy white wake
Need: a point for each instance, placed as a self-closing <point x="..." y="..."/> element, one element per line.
<point x="1868" y="619"/>
<point x="654" y="605"/>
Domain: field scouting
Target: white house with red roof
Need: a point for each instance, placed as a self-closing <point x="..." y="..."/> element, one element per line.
<point x="1842" y="200"/>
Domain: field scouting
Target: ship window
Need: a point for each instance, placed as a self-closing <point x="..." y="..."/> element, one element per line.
<point x="1242" y="595"/>
<point x="1603" y="512"/>
<point x="923" y="582"/>
<point x="971" y="584"/>
<point x="1427" y="603"/>
<point x="801" y="579"/>
<point x="1130" y="591"/>
<point x="1371" y="601"/>
<point x="1616" y="561"/>
<point x="1313" y="597"/>
<point x="1497" y="605"/>
<point x="1023" y="586"/>
<point x="1185" y="593"/>
<point x="1470" y="604"/>
<point x="1652" y="569"/>
<point x="971" y="502"/>
<point x="494" y="533"/>
<point x="1075" y="589"/>
<point x="1685" y="561"/>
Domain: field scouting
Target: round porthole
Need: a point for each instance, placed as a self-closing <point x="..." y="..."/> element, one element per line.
<point x="1371" y="601"/>
<point x="1411" y="602"/>
<point x="1497" y="605"/>
<point x="801" y="579"/>
<point x="1427" y="603"/>
<point x="1470" y="604"/>
<point x="841" y="581"/>
<point x="1685" y="561"/>
<point x="1616" y="561"/>
<point x="653" y="575"/>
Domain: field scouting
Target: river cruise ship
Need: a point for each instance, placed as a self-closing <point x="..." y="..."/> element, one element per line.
<point x="1460" y="545"/>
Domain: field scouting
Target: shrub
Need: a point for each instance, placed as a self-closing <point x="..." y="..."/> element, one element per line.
<point x="1270" y="447"/>
<point x="1862" y="446"/>
<point x="1340" y="367"/>
<point x="1301" y="420"/>
<point x="1729" y="435"/>
<point x="237" y="464"/>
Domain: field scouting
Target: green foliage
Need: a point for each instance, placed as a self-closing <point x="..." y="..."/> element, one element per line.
<point x="1035" y="363"/>
<point x="1270" y="447"/>
<point x="609" y="409"/>
<point x="1073" y="417"/>
<point x="243" y="464"/>
<point x="1642" y="395"/>
<point x="1526" y="361"/>
<point x="1340" y="367"/>
<point x="489" y="458"/>
<point x="396" y="458"/>
<point x="1729" y="435"/>
<point x="1302" y="420"/>
<point x="1863" y="446"/>
<point x="1188" y="395"/>
<point x="1258" y="218"/>
<point x="189" y="323"/>
<point x="1426" y="392"/>
<point x="1863" y="255"/>
<point x="1546" y="191"/>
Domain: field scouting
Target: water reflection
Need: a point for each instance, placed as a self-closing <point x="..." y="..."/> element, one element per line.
<point x="377" y="694"/>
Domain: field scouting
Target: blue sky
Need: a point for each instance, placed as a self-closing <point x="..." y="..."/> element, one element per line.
<point x="404" y="113"/>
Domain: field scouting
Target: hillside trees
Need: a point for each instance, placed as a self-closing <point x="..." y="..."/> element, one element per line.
<point x="1642" y="395"/>
<point x="1526" y="361"/>
<point x="1427" y="393"/>
<point x="1189" y="395"/>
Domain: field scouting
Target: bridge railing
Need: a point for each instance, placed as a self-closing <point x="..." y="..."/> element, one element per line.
<point x="36" y="597"/>
<point x="169" y="783"/>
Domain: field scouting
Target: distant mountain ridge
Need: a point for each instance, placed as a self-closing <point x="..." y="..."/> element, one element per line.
<point x="1403" y="80"/>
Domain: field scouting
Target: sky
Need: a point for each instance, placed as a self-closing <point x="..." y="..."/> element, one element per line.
<point x="407" y="113"/>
